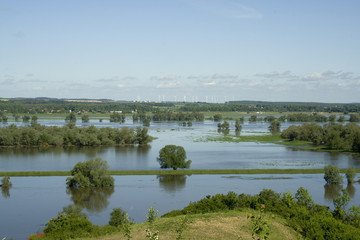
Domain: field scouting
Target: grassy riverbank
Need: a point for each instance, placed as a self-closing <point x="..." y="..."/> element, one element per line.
<point x="177" y="172"/>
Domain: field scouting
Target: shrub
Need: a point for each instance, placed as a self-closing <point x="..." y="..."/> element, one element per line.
<point x="118" y="217"/>
<point x="70" y="223"/>
<point x="5" y="182"/>
<point x="172" y="156"/>
<point x="332" y="175"/>
<point x="350" y="175"/>
<point x="92" y="173"/>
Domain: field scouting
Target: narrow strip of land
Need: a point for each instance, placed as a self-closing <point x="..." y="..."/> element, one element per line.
<point x="177" y="172"/>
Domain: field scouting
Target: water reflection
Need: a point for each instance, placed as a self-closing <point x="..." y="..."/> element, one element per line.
<point x="139" y="150"/>
<point x="332" y="191"/>
<point x="88" y="151"/>
<point x="5" y="191"/>
<point x="351" y="190"/>
<point x="93" y="199"/>
<point x="172" y="183"/>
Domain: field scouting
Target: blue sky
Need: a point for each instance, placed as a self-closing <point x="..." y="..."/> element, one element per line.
<point x="176" y="50"/>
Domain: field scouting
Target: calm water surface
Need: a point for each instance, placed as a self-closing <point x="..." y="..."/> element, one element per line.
<point x="32" y="201"/>
<point x="204" y="155"/>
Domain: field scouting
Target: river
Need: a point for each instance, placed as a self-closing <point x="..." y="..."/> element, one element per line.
<point x="32" y="201"/>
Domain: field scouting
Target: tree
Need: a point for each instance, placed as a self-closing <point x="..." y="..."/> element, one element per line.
<point x="341" y="119"/>
<point x="26" y="118"/>
<point x="253" y="118"/>
<point x="224" y="127"/>
<point x="340" y="204"/>
<point x="217" y="117"/>
<point x="5" y="182"/>
<point x="4" y="119"/>
<point x="354" y="118"/>
<point x="85" y="118"/>
<point x="172" y="156"/>
<point x="146" y="122"/>
<point x="70" y="223"/>
<point x="34" y="119"/>
<point x="332" y="175"/>
<point x="350" y="175"/>
<point x="274" y="126"/>
<point x="118" y="217"/>
<point x="92" y="173"/>
<point x="238" y="126"/>
<point x="71" y="117"/>
<point x="303" y="197"/>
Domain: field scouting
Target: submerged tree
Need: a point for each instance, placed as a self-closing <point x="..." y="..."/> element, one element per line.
<point x="92" y="173"/>
<point x="71" y="117"/>
<point x="350" y="175"/>
<point x="174" y="157"/>
<point x="332" y="175"/>
<point x="238" y="126"/>
<point x="5" y="182"/>
<point x="275" y="126"/>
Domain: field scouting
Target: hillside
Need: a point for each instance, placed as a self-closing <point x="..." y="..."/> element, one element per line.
<point x="224" y="225"/>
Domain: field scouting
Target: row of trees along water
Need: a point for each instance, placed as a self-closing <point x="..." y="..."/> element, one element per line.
<point x="333" y="136"/>
<point x="45" y="105"/>
<point x="70" y="135"/>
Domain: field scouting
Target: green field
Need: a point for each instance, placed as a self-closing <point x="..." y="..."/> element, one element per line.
<point x="176" y="172"/>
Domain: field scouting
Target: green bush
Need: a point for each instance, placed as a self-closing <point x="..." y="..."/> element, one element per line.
<point x="332" y="175"/>
<point x="92" y="173"/>
<point x="5" y="182"/>
<point x="118" y="217"/>
<point x="70" y="223"/>
<point x="174" y="157"/>
<point x="302" y="214"/>
<point x="350" y="175"/>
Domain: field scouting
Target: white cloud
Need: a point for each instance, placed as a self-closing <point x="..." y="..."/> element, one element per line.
<point x="223" y="76"/>
<point x="169" y="85"/>
<point x="313" y="76"/>
<point x="278" y="75"/>
<point x="165" y="78"/>
<point x="330" y="75"/>
<point x="121" y="85"/>
<point x="212" y="83"/>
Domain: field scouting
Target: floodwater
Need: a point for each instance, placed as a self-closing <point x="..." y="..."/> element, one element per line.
<point x="204" y="154"/>
<point x="32" y="201"/>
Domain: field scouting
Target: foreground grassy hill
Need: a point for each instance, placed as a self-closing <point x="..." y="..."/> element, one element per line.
<point x="221" y="225"/>
<point x="223" y="216"/>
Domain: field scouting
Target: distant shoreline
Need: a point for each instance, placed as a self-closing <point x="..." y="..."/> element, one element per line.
<point x="174" y="172"/>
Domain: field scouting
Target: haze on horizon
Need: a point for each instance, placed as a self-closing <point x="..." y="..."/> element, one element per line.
<point x="181" y="50"/>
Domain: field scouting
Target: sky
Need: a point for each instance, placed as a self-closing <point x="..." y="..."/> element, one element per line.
<point x="181" y="50"/>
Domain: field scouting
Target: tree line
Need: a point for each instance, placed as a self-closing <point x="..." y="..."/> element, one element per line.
<point x="333" y="136"/>
<point x="69" y="135"/>
<point x="177" y="116"/>
<point x="254" y="106"/>
<point x="45" y="105"/>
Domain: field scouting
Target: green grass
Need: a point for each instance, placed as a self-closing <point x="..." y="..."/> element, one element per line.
<point x="267" y="138"/>
<point x="177" y="172"/>
<point x="232" y="224"/>
<point x="233" y="138"/>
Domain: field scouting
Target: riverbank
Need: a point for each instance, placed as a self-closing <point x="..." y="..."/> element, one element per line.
<point x="174" y="172"/>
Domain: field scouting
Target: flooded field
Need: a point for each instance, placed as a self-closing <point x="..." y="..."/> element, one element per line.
<point x="32" y="201"/>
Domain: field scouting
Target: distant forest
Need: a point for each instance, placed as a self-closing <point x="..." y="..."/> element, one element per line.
<point x="51" y="105"/>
